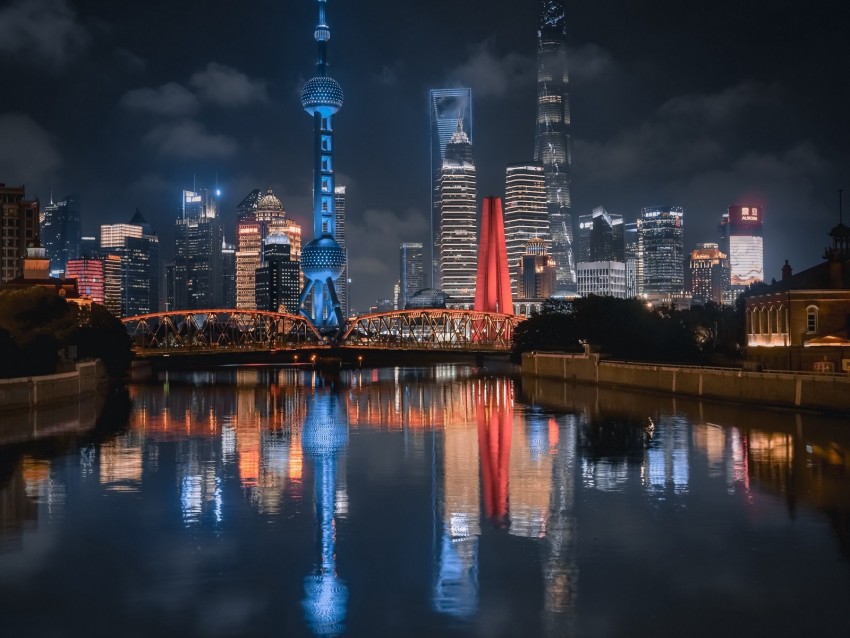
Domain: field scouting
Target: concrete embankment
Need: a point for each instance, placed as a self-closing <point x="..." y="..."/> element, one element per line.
<point x="782" y="389"/>
<point x="52" y="389"/>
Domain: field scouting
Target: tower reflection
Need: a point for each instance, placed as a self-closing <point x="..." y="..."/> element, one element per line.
<point x="324" y="437"/>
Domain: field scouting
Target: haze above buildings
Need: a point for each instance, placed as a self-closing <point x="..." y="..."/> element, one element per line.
<point x="699" y="107"/>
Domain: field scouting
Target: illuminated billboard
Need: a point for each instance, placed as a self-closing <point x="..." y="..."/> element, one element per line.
<point x="746" y="259"/>
<point x="746" y="220"/>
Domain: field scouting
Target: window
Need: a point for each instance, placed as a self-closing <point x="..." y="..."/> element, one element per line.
<point x="812" y="319"/>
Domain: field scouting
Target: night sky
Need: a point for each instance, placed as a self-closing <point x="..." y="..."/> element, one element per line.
<point x="700" y="105"/>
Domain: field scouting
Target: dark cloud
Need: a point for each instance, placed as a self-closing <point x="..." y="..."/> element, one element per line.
<point x="373" y="245"/>
<point x="490" y="73"/>
<point x="169" y="99"/>
<point x="45" y="30"/>
<point x="225" y="86"/>
<point x="189" y="139"/>
<point x="27" y="153"/>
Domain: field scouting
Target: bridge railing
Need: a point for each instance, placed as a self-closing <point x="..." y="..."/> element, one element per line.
<point x="212" y="330"/>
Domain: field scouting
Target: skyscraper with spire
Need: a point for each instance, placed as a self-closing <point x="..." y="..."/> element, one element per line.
<point x="552" y="140"/>
<point x="458" y="221"/>
<point x="323" y="259"/>
<point x="446" y="107"/>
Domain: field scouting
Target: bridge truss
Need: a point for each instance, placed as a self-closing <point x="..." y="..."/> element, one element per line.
<point x="214" y="330"/>
<point x="219" y="330"/>
<point x="437" y="329"/>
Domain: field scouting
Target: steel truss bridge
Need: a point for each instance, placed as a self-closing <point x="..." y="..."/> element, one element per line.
<point x="224" y="330"/>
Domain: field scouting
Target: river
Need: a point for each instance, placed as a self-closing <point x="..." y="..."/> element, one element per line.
<point x="439" y="501"/>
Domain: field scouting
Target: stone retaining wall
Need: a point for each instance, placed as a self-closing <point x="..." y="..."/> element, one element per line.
<point x="811" y="391"/>
<point x="28" y="392"/>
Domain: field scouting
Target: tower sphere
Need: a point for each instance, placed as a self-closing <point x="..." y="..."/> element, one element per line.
<point x="322" y="258"/>
<point x="323" y="95"/>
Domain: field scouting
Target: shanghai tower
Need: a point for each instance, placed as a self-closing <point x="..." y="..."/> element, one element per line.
<point x="323" y="259"/>
<point x="552" y="139"/>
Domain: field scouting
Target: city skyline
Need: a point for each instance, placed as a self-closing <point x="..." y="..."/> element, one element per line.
<point x="699" y="119"/>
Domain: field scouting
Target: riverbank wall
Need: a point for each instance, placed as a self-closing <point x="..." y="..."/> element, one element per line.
<point x="781" y="389"/>
<point x="52" y="389"/>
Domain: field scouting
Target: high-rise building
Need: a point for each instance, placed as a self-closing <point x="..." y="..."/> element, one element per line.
<point x="709" y="274"/>
<point x="537" y="272"/>
<point x="323" y="259"/>
<point x="411" y="272"/>
<point x="631" y="253"/>
<point x="60" y="233"/>
<point x="246" y="211"/>
<point x="526" y="215"/>
<point x="602" y="278"/>
<point x="18" y="229"/>
<point x="741" y="232"/>
<point x="197" y="261"/>
<point x="228" y="275"/>
<point x="447" y="107"/>
<point x="661" y="253"/>
<point x="112" y="272"/>
<point x="342" y="283"/>
<point x="278" y="280"/>
<point x="552" y="140"/>
<point x="89" y="275"/>
<point x="249" y="257"/>
<point x="458" y="217"/>
<point x="89" y="247"/>
<point x="600" y="237"/>
<point x="137" y="247"/>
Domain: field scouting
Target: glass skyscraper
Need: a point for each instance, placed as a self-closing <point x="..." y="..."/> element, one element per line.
<point x="447" y="107"/>
<point x="199" y="237"/>
<point x="600" y="237"/>
<point x="458" y="221"/>
<point x="552" y="140"/>
<point x="661" y="252"/>
<point x="526" y="215"/>
<point x="60" y="233"/>
<point x="136" y="247"/>
<point x="411" y="272"/>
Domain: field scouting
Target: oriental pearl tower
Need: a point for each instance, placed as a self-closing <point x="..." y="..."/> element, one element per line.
<point x="323" y="259"/>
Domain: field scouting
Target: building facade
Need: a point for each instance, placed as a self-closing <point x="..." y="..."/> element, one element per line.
<point x="661" y="267"/>
<point x="526" y="215"/>
<point x="552" y="141"/>
<point x="537" y="272"/>
<point x="60" y="233"/>
<point x="89" y="275"/>
<point x="742" y="239"/>
<point x="278" y="279"/>
<point x="19" y="219"/>
<point x="199" y="237"/>
<point x="411" y="271"/>
<point x="342" y="283"/>
<point x="446" y="107"/>
<point x="228" y="275"/>
<point x="602" y="278"/>
<point x="600" y="237"/>
<point x="709" y="274"/>
<point x="458" y="221"/>
<point x="137" y="247"/>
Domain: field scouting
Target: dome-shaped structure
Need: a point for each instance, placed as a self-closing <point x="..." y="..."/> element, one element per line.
<point x="322" y="258"/>
<point x="270" y="202"/>
<point x="323" y="95"/>
<point x="427" y="298"/>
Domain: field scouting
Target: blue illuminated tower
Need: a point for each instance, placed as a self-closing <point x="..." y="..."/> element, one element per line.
<point x="323" y="259"/>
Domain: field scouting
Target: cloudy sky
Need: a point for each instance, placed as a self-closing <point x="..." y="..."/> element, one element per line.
<point x="700" y="105"/>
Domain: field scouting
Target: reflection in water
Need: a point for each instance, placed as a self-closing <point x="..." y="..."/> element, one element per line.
<point x="325" y="436"/>
<point x="499" y="480"/>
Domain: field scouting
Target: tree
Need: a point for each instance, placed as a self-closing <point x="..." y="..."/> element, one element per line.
<point x="103" y="336"/>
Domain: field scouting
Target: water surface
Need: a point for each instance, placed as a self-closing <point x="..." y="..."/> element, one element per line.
<point x="423" y="502"/>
